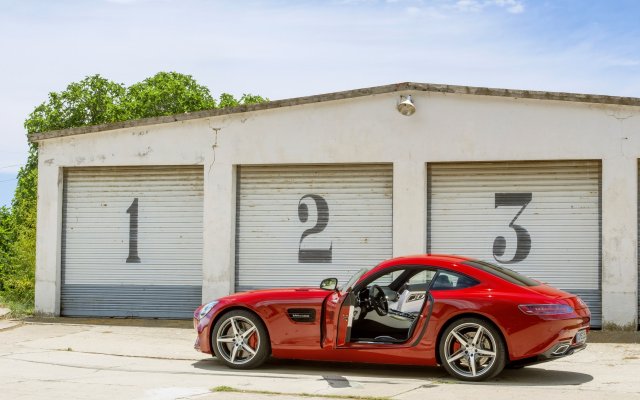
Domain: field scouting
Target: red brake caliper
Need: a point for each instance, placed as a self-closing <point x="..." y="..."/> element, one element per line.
<point x="456" y="347"/>
<point x="253" y="340"/>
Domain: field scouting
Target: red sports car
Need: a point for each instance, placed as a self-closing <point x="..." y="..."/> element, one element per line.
<point x="472" y="317"/>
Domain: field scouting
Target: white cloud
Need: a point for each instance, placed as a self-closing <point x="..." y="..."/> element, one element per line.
<point x="469" y="5"/>
<point x="131" y="2"/>
<point x="413" y="6"/>
<point x="512" y="6"/>
<point x="279" y="50"/>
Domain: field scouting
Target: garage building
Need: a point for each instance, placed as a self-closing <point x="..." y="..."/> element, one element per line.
<point x="147" y="218"/>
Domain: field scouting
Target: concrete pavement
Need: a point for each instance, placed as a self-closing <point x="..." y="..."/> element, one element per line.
<point x="80" y="361"/>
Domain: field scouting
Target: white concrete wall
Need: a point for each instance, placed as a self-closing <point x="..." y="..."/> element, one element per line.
<point x="445" y="127"/>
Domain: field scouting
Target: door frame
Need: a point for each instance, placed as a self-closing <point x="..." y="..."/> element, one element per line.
<point x="421" y="322"/>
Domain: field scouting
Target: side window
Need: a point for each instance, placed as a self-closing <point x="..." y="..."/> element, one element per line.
<point x="422" y="277"/>
<point x="448" y="280"/>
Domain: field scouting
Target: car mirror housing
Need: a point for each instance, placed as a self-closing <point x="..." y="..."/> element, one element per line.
<point x="329" y="284"/>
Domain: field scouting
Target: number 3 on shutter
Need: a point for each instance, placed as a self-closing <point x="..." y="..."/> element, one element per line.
<point x="133" y="232"/>
<point x="523" y="238"/>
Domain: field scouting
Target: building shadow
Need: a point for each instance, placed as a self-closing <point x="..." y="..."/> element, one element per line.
<point x="115" y="321"/>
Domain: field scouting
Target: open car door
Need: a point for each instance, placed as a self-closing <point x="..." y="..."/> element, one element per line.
<point x="345" y="320"/>
<point x="389" y="313"/>
<point x="338" y="318"/>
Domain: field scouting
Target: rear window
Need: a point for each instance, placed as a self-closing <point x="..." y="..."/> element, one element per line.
<point x="504" y="273"/>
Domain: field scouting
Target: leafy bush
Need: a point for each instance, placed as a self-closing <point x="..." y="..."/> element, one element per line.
<point x="94" y="100"/>
<point x="18" y="232"/>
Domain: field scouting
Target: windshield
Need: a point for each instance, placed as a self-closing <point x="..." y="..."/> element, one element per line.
<point x="353" y="280"/>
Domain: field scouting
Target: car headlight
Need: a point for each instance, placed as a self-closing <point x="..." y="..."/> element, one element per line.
<point x="206" y="308"/>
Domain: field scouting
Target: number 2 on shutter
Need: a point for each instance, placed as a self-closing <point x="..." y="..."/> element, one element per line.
<point x="523" y="238"/>
<point x="314" y="255"/>
<point x="133" y="232"/>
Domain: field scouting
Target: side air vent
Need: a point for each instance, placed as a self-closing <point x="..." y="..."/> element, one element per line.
<point x="302" y="314"/>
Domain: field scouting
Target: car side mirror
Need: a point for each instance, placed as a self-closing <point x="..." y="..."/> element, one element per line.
<point x="329" y="284"/>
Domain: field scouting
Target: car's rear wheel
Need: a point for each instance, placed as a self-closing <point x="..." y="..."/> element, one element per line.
<point x="472" y="349"/>
<point x="240" y="340"/>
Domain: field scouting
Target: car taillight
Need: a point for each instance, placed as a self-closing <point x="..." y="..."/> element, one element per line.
<point x="581" y="302"/>
<point x="545" y="309"/>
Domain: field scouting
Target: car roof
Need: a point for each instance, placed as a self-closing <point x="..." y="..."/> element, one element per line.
<point x="426" y="259"/>
<point x="444" y="261"/>
<point x="433" y="260"/>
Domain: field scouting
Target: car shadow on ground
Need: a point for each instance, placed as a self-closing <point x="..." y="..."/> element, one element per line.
<point x="334" y="373"/>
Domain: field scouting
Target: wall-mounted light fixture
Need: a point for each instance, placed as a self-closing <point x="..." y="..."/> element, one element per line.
<point x="406" y="106"/>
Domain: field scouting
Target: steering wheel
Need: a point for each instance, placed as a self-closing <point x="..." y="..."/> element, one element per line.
<point x="378" y="300"/>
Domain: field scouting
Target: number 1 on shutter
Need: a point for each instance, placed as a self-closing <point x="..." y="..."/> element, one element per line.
<point x="133" y="232"/>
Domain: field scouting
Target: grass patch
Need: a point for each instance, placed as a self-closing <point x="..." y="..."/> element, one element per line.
<point x="444" y="382"/>
<point x="18" y="309"/>
<point x="610" y="326"/>
<point x="224" y="389"/>
<point x="266" y="392"/>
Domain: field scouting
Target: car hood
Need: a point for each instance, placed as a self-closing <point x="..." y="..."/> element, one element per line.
<point x="299" y="293"/>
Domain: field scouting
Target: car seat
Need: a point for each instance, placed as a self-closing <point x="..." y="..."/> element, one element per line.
<point x="442" y="282"/>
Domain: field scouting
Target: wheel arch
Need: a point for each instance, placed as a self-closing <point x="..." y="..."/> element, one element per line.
<point x="458" y="317"/>
<point x="227" y="310"/>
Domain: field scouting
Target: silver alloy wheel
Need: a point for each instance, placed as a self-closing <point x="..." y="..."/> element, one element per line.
<point x="470" y="350"/>
<point x="238" y="340"/>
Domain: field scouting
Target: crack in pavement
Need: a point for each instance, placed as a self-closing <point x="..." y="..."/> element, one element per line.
<point x="26" y="352"/>
<point x="128" y="356"/>
<point x="103" y="354"/>
<point x="49" y="337"/>
<point x="11" y="327"/>
<point x="71" y="380"/>
<point x="208" y="373"/>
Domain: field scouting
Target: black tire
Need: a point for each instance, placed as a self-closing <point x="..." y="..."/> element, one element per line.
<point x="257" y="340"/>
<point x="472" y="361"/>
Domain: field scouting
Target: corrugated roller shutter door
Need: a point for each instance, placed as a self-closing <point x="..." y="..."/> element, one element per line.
<point x="538" y="218"/>
<point x="132" y="241"/>
<point x="297" y="225"/>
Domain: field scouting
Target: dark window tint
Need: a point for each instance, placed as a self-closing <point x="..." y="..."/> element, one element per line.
<point x="504" y="273"/>
<point x="448" y="280"/>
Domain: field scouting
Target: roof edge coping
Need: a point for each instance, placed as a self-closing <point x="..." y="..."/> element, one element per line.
<point x="348" y="94"/>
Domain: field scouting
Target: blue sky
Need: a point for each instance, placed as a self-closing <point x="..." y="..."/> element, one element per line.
<point x="283" y="49"/>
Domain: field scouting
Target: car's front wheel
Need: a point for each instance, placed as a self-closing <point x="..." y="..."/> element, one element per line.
<point x="472" y="349"/>
<point x="240" y="340"/>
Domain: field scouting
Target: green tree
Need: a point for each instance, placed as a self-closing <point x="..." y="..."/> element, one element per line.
<point x="19" y="264"/>
<point x="166" y="93"/>
<point x="6" y="238"/>
<point x="94" y="100"/>
<point x="5" y="230"/>
<point x="227" y="100"/>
